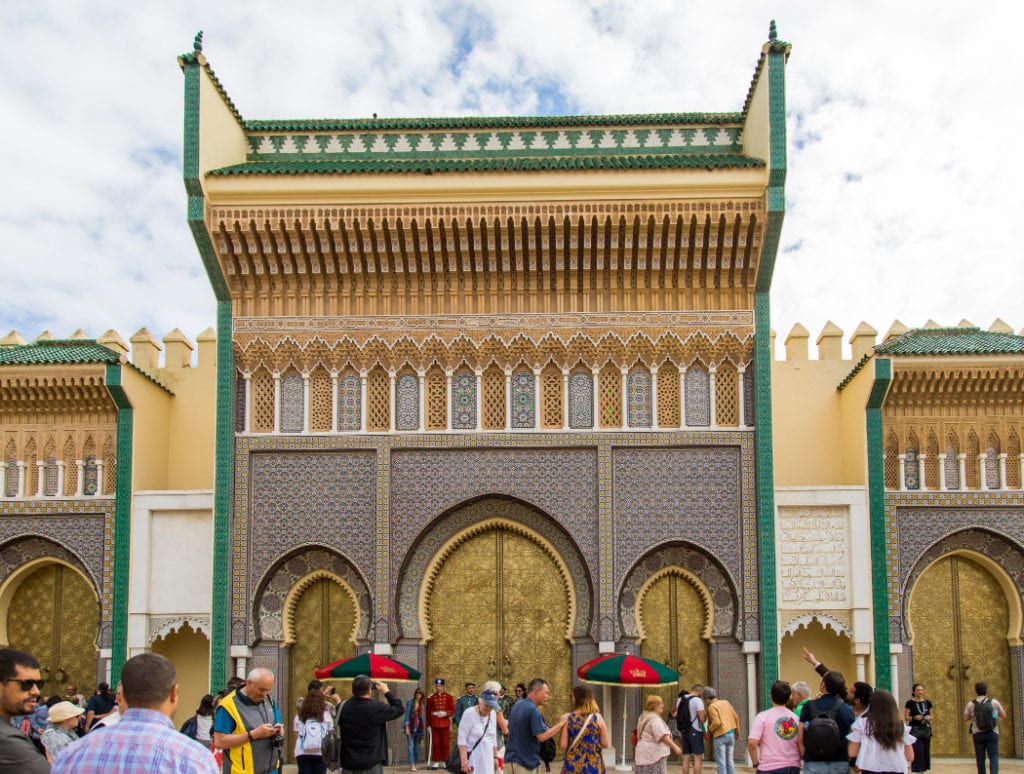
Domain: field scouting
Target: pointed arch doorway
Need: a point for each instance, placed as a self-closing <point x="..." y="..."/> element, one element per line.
<point x="498" y="606"/>
<point x="960" y="619"/>
<point x="675" y="626"/>
<point x="320" y="627"/>
<point x="54" y="615"/>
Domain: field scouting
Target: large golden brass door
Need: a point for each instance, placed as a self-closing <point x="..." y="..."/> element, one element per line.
<point x="54" y="615"/>
<point x="673" y="617"/>
<point x="959" y="618"/>
<point x="323" y="622"/>
<point x="499" y="610"/>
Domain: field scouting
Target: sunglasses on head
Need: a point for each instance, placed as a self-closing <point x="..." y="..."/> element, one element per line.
<point x="26" y="685"/>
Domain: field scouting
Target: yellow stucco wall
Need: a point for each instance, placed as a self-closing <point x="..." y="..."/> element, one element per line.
<point x="151" y="412"/>
<point x="189" y="651"/>
<point x="819" y="437"/>
<point x="192" y="419"/>
<point x="221" y="138"/>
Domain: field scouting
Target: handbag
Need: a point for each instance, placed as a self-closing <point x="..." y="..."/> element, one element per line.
<point x="921" y="730"/>
<point x="454" y="762"/>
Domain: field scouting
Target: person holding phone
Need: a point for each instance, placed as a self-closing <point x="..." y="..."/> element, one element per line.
<point x="248" y="727"/>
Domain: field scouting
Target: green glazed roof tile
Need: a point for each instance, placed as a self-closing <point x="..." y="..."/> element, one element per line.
<point x="503" y="164"/>
<point x="952" y="341"/>
<point x="58" y="352"/>
<point x="487" y="122"/>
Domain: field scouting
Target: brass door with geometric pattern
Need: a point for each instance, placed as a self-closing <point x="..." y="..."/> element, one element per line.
<point x="674" y="617"/>
<point x="499" y="610"/>
<point x="54" y="615"/>
<point x="323" y="622"/>
<point x="959" y="618"/>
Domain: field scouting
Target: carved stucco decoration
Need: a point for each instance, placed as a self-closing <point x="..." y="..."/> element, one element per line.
<point x="721" y="594"/>
<point x="162" y="626"/>
<point x="828" y="620"/>
<point x="277" y="589"/>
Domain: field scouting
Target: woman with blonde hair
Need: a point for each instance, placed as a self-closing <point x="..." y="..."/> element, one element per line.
<point x="654" y="740"/>
<point x="584" y="735"/>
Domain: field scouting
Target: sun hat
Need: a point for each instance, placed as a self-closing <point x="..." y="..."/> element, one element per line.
<point x="63" y="710"/>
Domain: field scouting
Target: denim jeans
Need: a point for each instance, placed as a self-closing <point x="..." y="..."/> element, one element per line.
<point x="724" y="747"/>
<point x="987" y="743"/>
<point x="413" y="740"/>
<point x="826" y="767"/>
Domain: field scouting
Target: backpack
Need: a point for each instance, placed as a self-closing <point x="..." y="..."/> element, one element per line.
<point x="822" y="740"/>
<point x="548" y="750"/>
<point x="330" y="744"/>
<point x="312" y="736"/>
<point x="190" y="727"/>
<point x="984" y="715"/>
<point x="683" y="720"/>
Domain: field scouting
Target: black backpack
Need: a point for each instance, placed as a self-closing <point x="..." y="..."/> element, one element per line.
<point x="822" y="740"/>
<point x="683" y="720"/>
<point x="984" y="715"/>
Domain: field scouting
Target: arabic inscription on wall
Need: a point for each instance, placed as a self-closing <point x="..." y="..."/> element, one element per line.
<point x="814" y="557"/>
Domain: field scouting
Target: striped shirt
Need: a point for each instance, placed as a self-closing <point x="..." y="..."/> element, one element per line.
<point x="143" y="740"/>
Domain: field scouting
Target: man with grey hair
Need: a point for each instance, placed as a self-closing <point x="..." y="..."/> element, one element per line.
<point x="144" y="739"/>
<point x="800" y="696"/>
<point x="247" y="727"/>
<point x="362" y="725"/>
<point x="723" y="729"/>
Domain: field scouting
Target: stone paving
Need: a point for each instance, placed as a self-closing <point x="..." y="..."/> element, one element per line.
<point x="939" y="766"/>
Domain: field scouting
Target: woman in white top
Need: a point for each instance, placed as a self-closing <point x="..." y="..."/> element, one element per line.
<point x="312" y="723"/>
<point x="879" y="739"/>
<point x="654" y="740"/>
<point x="478" y="734"/>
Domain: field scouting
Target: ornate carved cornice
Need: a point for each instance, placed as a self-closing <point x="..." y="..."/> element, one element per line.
<point x="46" y="390"/>
<point x="536" y="340"/>
<point x="500" y="258"/>
<point x="945" y="390"/>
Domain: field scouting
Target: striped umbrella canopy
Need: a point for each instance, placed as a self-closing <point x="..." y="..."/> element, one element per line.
<point x="625" y="669"/>
<point x="373" y="666"/>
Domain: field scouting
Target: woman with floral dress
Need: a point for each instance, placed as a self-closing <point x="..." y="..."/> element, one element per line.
<point x="584" y="735"/>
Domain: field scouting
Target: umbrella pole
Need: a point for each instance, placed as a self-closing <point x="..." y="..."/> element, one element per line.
<point x="622" y="766"/>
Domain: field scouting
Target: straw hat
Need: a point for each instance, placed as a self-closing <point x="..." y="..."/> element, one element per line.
<point x="63" y="710"/>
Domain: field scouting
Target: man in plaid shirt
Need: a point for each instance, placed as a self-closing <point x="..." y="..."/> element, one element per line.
<point x="144" y="739"/>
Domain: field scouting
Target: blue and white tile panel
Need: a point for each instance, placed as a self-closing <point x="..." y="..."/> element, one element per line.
<point x="701" y="139"/>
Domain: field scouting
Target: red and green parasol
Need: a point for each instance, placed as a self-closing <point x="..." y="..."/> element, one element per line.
<point x="626" y="669"/>
<point x="372" y="665"/>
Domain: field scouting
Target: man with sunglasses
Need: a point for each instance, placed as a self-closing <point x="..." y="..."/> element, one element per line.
<point x="19" y="693"/>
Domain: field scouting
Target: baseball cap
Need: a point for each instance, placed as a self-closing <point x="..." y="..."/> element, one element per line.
<point x="490" y="698"/>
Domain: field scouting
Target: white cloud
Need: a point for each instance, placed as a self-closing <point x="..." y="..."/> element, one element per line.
<point x="903" y="182"/>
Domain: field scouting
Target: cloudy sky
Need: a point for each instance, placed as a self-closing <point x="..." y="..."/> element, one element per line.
<point x="904" y="123"/>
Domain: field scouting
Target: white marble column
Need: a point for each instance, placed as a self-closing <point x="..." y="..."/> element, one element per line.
<point x="334" y="401"/>
<point x="654" y="398"/>
<point x="364" y="399"/>
<point x="537" y="424"/>
<point x="479" y="398"/>
<point x="392" y="379"/>
<point x="712" y="397"/>
<point x="306" y="407"/>
<point x="3" y="478"/>
<point x="60" y="479"/>
<point x="741" y="371"/>
<point x="448" y="399"/>
<point x="594" y="375"/>
<point x="40" y="478"/>
<point x="508" y="400"/>
<point x="902" y="469"/>
<point x="942" y="472"/>
<point x="682" y="396"/>
<point x="99" y="477"/>
<point x="277" y="402"/>
<point x="80" y="489"/>
<point x="1002" y="471"/>
<point x="565" y="398"/>
<point x="625" y="397"/>
<point x="921" y="483"/>
<point x="247" y="414"/>
<point x="421" y="421"/>
<point x="962" y="460"/>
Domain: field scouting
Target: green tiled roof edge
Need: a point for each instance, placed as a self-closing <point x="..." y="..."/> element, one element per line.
<point x="952" y="341"/>
<point x="486" y="122"/>
<point x="530" y="164"/>
<point x="192" y="57"/>
<point x="58" y="352"/>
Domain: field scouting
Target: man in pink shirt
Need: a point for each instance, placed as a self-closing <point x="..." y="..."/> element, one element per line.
<point x="775" y="736"/>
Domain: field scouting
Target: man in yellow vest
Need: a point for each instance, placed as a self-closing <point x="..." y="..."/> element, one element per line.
<point x="247" y="727"/>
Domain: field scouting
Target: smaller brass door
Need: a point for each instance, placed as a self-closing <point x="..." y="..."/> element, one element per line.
<point x="323" y="622"/>
<point x="959" y="618"/>
<point x="54" y="615"/>
<point x="674" y="618"/>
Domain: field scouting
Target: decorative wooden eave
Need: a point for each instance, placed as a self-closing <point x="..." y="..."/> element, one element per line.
<point x="480" y="259"/>
<point x="936" y="385"/>
<point x="43" y="389"/>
